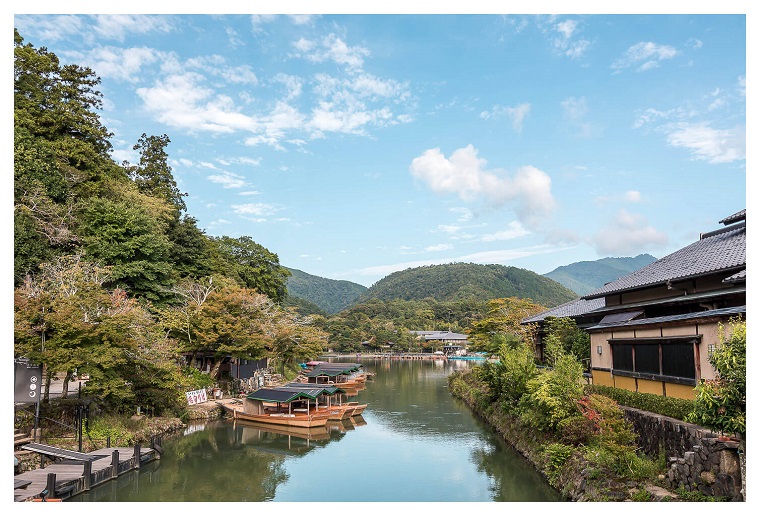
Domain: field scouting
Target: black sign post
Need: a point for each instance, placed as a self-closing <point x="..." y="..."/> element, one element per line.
<point x="28" y="387"/>
<point x="28" y="383"/>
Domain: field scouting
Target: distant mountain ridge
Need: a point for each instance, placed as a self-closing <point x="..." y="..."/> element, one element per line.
<point x="456" y="281"/>
<point x="584" y="277"/>
<point x="330" y="295"/>
<point x="451" y="282"/>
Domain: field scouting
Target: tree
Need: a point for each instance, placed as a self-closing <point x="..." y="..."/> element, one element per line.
<point x="153" y="175"/>
<point x="565" y="332"/>
<point x="128" y="235"/>
<point x="504" y="316"/>
<point x="721" y="404"/>
<point x="251" y="265"/>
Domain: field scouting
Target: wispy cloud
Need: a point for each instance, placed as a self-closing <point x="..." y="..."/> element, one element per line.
<point x="516" y="114"/>
<point x="464" y="174"/>
<point x="709" y="144"/>
<point x="628" y="234"/>
<point x="228" y="180"/>
<point x="500" y="256"/>
<point x="644" y="56"/>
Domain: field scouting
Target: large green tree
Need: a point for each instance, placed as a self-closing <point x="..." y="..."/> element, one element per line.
<point x="252" y="265"/>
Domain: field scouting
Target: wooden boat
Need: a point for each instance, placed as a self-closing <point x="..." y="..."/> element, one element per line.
<point x="286" y="407"/>
<point x="337" y="373"/>
<point x="332" y="401"/>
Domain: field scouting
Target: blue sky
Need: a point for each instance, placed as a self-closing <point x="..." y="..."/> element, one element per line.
<point x="356" y="145"/>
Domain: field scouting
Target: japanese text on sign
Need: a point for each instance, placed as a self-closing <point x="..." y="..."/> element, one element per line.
<point x="194" y="397"/>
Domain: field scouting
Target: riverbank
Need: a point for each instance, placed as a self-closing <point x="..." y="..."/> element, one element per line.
<point x="579" y="480"/>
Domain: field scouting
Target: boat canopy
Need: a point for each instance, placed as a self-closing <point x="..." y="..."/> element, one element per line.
<point x="326" y="389"/>
<point x="275" y="395"/>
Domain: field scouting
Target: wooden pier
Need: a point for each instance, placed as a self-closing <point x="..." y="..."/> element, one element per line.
<point x="68" y="477"/>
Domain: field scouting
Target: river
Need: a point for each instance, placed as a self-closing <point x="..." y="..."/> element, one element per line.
<point x="413" y="443"/>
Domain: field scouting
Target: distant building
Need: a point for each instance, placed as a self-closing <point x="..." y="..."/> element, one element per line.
<point x="451" y="343"/>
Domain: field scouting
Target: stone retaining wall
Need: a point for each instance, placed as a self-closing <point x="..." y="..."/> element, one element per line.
<point x="698" y="460"/>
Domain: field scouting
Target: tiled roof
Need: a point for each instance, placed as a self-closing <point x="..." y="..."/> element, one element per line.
<point x="721" y="312"/>
<point x="739" y="277"/>
<point x="718" y="251"/>
<point x="736" y="217"/>
<point x="572" y="308"/>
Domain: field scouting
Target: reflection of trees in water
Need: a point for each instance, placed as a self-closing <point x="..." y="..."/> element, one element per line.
<point x="512" y="478"/>
<point x="189" y="471"/>
<point x="412" y="397"/>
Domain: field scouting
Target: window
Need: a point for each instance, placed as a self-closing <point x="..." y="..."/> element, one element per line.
<point x="654" y="358"/>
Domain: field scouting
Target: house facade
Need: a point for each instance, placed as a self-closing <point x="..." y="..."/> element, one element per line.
<point x="660" y="323"/>
<point x="653" y="330"/>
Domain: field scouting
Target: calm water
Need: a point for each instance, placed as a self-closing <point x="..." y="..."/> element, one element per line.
<point x="414" y="443"/>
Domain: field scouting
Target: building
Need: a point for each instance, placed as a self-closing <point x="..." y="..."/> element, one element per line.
<point x="451" y="343"/>
<point x="652" y="330"/>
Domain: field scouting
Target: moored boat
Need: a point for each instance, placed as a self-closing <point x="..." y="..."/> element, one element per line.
<point x="286" y="407"/>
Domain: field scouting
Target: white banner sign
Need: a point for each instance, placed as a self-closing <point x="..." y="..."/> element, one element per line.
<point x="194" y="397"/>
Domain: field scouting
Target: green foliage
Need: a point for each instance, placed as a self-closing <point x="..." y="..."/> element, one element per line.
<point x="556" y="456"/>
<point x="721" y="404"/>
<point x="502" y="324"/>
<point x="671" y="407"/>
<point x="118" y="429"/>
<point x="251" y="265"/>
<point x="553" y="394"/>
<point x="566" y="333"/>
<point x="457" y="281"/>
<point x="518" y="370"/>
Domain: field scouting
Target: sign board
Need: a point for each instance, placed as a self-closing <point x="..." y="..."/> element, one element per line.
<point x="28" y="383"/>
<point x="194" y="397"/>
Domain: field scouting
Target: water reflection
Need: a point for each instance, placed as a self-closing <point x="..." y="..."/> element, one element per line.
<point x="413" y="443"/>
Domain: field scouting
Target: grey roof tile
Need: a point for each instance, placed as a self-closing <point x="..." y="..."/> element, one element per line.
<point x="572" y="308"/>
<point x="724" y="250"/>
<point x="721" y="312"/>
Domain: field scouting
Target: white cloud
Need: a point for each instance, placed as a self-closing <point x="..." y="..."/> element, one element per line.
<point x="646" y="55"/>
<point x="183" y="101"/>
<point x="709" y="144"/>
<point x="565" y="44"/>
<point x="501" y="256"/>
<point x="118" y="63"/>
<point x="332" y="48"/>
<point x="464" y="174"/>
<point x="228" y="180"/>
<point x="516" y="114"/>
<point x="574" y="111"/>
<point x="465" y="214"/>
<point x="632" y="196"/>
<point x="117" y="26"/>
<point x="514" y="230"/>
<point x="439" y="247"/>
<point x="627" y="234"/>
<point x="259" y="210"/>
<point x="49" y="27"/>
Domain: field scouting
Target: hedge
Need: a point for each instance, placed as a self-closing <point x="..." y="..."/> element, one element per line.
<point x="676" y="408"/>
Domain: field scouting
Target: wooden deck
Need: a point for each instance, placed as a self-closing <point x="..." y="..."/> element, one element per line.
<point x="71" y="475"/>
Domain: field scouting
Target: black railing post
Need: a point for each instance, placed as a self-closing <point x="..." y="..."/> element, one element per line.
<point x="115" y="464"/>
<point x="51" y="485"/>
<point x="108" y="441"/>
<point x="137" y="455"/>
<point x="87" y="474"/>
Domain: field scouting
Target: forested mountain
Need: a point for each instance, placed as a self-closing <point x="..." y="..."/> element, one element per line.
<point x="458" y="281"/>
<point x="583" y="277"/>
<point x="332" y="296"/>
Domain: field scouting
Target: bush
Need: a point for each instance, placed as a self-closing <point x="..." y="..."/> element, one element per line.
<point x="721" y="404"/>
<point x="556" y="455"/>
<point x="553" y="395"/>
<point x="576" y="430"/>
<point x="671" y="407"/>
<point x="613" y="429"/>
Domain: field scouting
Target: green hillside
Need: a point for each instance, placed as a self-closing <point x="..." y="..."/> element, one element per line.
<point x="583" y="277"/>
<point x="330" y="295"/>
<point x="457" y="281"/>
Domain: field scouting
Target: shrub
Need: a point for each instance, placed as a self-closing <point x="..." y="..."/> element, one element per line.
<point x="552" y="395"/>
<point x="671" y="407"/>
<point x="721" y="404"/>
<point x="576" y="430"/>
<point x="556" y="455"/>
